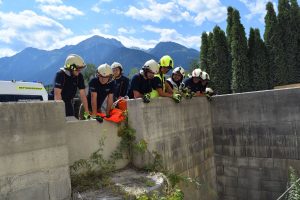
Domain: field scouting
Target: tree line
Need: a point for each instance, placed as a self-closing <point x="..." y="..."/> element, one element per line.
<point x="237" y="64"/>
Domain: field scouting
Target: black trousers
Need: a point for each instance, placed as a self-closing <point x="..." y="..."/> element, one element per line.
<point x="69" y="108"/>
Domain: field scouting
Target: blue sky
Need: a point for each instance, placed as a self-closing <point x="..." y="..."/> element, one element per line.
<point x="52" y="24"/>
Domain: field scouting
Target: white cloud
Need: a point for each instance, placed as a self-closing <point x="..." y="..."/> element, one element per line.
<point x="60" y="11"/>
<point x="49" y="1"/>
<point x="256" y="8"/>
<point x="96" y="8"/>
<point x="116" y="11"/>
<point x="0" y="2"/>
<point x="6" y="52"/>
<point x="157" y="11"/>
<point x="211" y="10"/>
<point x="173" y="35"/>
<point x="123" y="30"/>
<point x="106" y="28"/>
<point x="29" y="29"/>
<point x="178" y="10"/>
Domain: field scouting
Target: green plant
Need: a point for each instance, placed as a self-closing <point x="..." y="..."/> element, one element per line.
<point x="175" y="194"/>
<point x="93" y="172"/>
<point x="141" y="146"/>
<point x="294" y="185"/>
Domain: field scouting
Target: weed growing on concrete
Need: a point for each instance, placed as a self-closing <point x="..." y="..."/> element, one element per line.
<point x="93" y="172"/>
<point x="128" y="142"/>
<point x="176" y="194"/>
<point x="293" y="191"/>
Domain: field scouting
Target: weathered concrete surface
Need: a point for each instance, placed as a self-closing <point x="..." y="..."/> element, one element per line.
<point x="33" y="155"/>
<point x="181" y="134"/>
<point x="38" y="144"/>
<point x="240" y="145"/>
<point x="256" y="138"/>
<point x="83" y="139"/>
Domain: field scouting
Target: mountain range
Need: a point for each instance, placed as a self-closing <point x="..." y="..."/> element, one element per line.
<point x="33" y="64"/>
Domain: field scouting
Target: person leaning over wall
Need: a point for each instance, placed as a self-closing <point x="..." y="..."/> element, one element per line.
<point x="120" y="81"/>
<point x="175" y="81"/>
<point x="100" y="88"/>
<point x="159" y="86"/>
<point x="141" y="83"/>
<point x="66" y="82"/>
<point x="197" y="83"/>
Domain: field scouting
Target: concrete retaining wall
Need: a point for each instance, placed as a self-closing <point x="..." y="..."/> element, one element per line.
<point x="83" y="138"/>
<point x="256" y="138"/>
<point x="33" y="155"/>
<point x="182" y="134"/>
<point x="38" y="144"/>
<point x="237" y="145"/>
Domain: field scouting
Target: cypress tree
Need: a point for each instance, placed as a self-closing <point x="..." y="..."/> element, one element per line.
<point x="204" y="51"/>
<point x="229" y="26"/>
<point x="229" y="36"/>
<point x="220" y="68"/>
<point x="251" y="56"/>
<point x="271" y="38"/>
<point x="210" y="53"/>
<point x="295" y="29"/>
<point x="258" y="62"/>
<point x="240" y="64"/>
<point x="284" y="73"/>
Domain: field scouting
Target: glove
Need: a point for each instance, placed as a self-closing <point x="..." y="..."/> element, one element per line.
<point x="146" y="98"/>
<point x="86" y="116"/>
<point x="98" y="118"/>
<point x="188" y="95"/>
<point x="208" y="97"/>
<point x="176" y="97"/>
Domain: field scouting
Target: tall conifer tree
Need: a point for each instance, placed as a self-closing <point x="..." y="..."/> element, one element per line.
<point x="240" y="63"/>
<point x="229" y="26"/>
<point x="271" y="38"/>
<point x="220" y="72"/>
<point x="210" y="53"/>
<point x="204" y="51"/>
<point x="284" y="70"/>
<point x="295" y="29"/>
<point x="258" y="62"/>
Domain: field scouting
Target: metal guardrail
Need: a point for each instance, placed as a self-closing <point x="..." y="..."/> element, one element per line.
<point x="279" y="198"/>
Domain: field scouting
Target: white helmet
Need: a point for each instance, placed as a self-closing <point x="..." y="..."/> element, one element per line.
<point x="74" y="62"/>
<point x="104" y="70"/>
<point x="196" y="73"/>
<point x="115" y="65"/>
<point x="209" y="91"/>
<point x="204" y="76"/>
<point x="152" y="65"/>
<point x="180" y="70"/>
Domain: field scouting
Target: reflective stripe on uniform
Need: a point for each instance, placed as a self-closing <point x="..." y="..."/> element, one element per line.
<point x="154" y="93"/>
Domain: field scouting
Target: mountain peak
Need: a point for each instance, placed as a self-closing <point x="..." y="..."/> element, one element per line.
<point x="170" y="45"/>
<point x="98" y="40"/>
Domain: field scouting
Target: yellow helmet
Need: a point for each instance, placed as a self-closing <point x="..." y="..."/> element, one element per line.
<point x="166" y="61"/>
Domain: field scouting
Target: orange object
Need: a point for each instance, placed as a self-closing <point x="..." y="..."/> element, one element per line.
<point x="122" y="104"/>
<point x="116" y="115"/>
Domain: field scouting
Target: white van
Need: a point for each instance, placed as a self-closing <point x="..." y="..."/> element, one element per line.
<point x="22" y="91"/>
